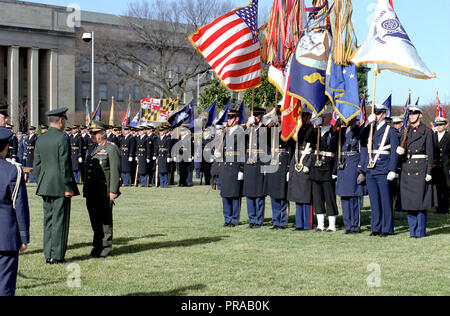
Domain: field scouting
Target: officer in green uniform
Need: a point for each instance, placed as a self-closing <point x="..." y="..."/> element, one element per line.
<point x="101" y="187"/>
<point x="55" y="184"/>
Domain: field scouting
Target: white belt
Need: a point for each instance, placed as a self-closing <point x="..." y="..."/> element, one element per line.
<point x="349" y="153"/>
<point x="326" y="154"/>
<point x="382" y="152"/>
<point x="417" y="156"/>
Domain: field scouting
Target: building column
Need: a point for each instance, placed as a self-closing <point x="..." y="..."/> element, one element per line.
<point x="13" y="84"/>
<point x="33" y="85"/>
<point x="53" y="80"/>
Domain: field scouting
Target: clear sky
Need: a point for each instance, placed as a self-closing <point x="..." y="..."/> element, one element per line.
<point x="427" y="24"/>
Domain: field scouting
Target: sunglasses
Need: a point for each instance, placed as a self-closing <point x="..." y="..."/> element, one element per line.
<point x="379" y="112"/>
<point x="415" y="112"/>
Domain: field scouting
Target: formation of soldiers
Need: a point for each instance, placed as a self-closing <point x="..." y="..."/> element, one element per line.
<point x="329" y="160"/>
<point x="405" y="168"/>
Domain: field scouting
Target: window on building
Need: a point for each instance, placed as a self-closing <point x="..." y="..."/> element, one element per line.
<point x="85" y="65"/>
<point x="119" y="93"/>
<point x="86" y="90"/>
<point x="103" y="91"/>
<point x="102" y="68"/>
<point x="135" y="93"/>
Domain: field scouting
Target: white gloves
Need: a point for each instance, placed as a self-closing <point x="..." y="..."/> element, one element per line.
<point x="80" y="160"/>
<point x="251" y="120"/>
<point x="334" y="177"/>
<point x="154" y="158"/>
<point x="217" y="154"/>
<point x="400" y="151"/>
<point x="240" y="176"/>
<point x="391" y="176"/>
<point x="306" y="170"/>
<point x="190" y="159"/>
<point x="287" y="177"/>
<point x="130" y="159"/>
<point x="372" y="118"/>
<point x="13" y="160"/>
<point x="428" y="178"/>
<point x="169" y="160"/>
<point x="137" y="159"/>
<point x="148" y="160"/>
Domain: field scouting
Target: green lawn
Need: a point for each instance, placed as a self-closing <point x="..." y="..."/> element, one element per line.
<point x="171" y="242"/>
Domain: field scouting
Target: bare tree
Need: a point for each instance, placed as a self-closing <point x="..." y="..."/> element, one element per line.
<point x="152" y="47"/>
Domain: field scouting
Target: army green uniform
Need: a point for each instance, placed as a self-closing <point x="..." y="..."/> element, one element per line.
<point x="53" y="172"/>
<point x="102" y="176"/>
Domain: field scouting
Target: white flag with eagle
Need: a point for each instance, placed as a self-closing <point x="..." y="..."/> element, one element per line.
<point x="389" y="46"/>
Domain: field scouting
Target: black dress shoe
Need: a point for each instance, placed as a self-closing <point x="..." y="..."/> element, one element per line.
<point x="58" y="261"/>
<point x="226" y="224"/>
<point x="275" y="228"/>
<point x="347" y="232"/>
<point x="251" y="225"/>
<point x="318" y="230"/>
<point x="232" y="225"/>
<point x="48" y="261"/>
<point x="298" y="229"/>
<point x="281" y="227"/>
<point x="383" y="235"/>
<point x="256" y="226"/>
<point x="372" y="234"/>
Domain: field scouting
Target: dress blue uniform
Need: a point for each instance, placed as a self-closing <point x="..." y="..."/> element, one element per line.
<point x="275" y="180"/>
<point x="379" y="187"/>
<point x="417" y="193"/>
<point x="127" y="152"/>
<point x="253" y="188"/>
<point x="162" y="150"/>
<point x="142" y="156"/>
<point x="76" y="144"/>
<point x="14" y="220"/>
<point x="350" y="166"/>
<point x="232" y="166"/>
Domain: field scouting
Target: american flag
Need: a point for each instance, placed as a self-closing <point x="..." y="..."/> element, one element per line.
<point x="231" y="47"/>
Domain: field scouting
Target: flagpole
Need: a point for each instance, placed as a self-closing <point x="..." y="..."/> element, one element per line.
<point x="375" y="74"/>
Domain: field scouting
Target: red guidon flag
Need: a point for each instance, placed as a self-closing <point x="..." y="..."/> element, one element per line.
<point x="231" y="47"/>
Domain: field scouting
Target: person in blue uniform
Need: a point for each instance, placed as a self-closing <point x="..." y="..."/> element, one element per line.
<point x="232" y="169"/>
<point x="350" y="168"/>
<point x="142" y="156"/>
<point x="13" y="145"/>
<point x="14" y="218"/>
<point x="162" y="151"/>
<point x="417" y="190"/>
<point x="441" y="172"/>
<point x="253" y="188"/>
<point x="22" y="148"/>
<point x="299" y="182"/>
<point x="76" y="147"/>
<point x="381" y="171"/>
<point x="275" y="180"/>
<point x="151" y="138"/>
<point x="127" y="152"/>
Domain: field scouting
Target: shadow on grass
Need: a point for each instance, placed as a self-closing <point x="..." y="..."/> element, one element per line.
<point x="118" y="241"/>
<point x="131" y="249"/>
<point x="43" y="284"/>
<point x="176" y="292"/>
